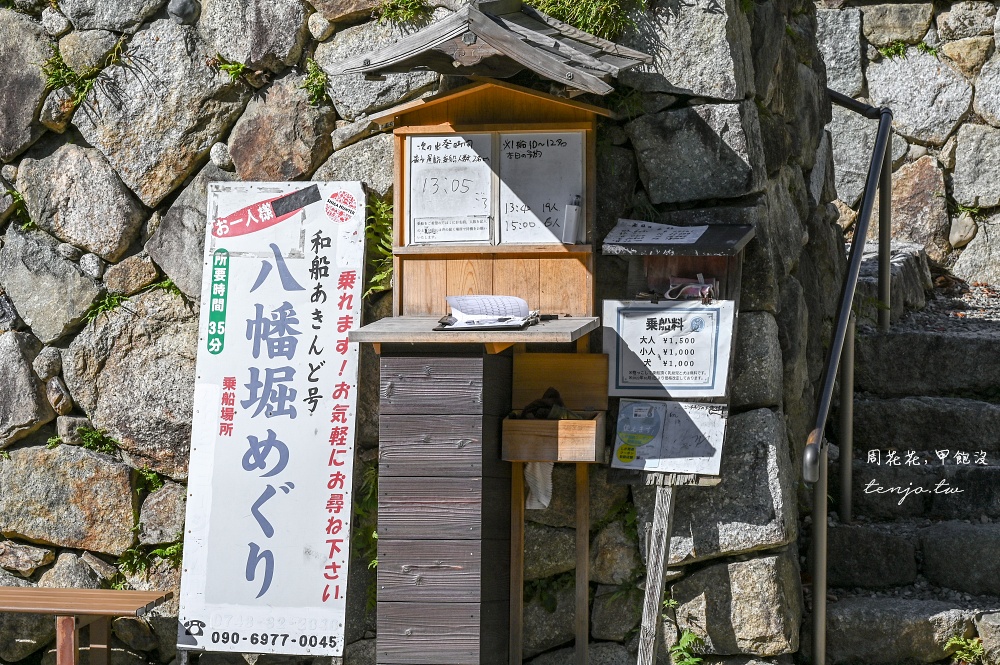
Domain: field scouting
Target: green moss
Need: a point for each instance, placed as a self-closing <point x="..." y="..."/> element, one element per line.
<point x="53" y="441"/>
<point x="403" y="11"/>
<point x="924" y="47"/>
<point x="315" y="83"/>
<point x="746" y="6"/>
<point x="603" y="18"/>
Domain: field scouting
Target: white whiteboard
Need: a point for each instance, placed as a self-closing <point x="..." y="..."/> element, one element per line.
<point x="540" y="173"/>
<point x="449" y="194"/>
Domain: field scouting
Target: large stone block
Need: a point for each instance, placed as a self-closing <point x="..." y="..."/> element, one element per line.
<point x="699" y="152"/>
<point x="132" y="372"/>
<point x="614" y="555"/>
<point x="353" y="95"/>
<point x="966" y="19"/>
<point x="76" y="196"/>
<point x="548" y="550"/>
<point x="155" y="123"/>
<point x="22" y="558"/>
<point x="700" y="48"/>
<point x="909" y="281"/>
<point x="51" y="293"/>
<point x="977" y="158"/>
<point x="976" y="544"/>
<point x="919" y="208"/>
<point x="604" y="498"/>
<point x="787" y="210"/>
<point x="987" y="102"/>
<point x="980" y="259"/>
<point x="744" y="607"/>
<point x="281" y="136"/>
<point x="616" y="612"/>
<point x="67" y="496"/>
<point x="907" y="22"/>
<point x="369" y="161"/>
<point x="23" y="47"/>
<point x="22" y="634"/>
<point x="259" y="33"/>
<point x="892" y="630"/>
<point x="178" y="243"/>
<point x="124" y="16"/>
<point x="853" y="141"/>
<point x="544" y="629"/>
<point x="839" y="36"/>
<point x="928" y="96"/>
<point x="753" y="508"/>
<point x="988" y="627"/>
<point x="871" y="558"/>
<point x="162" y="515"/>
<point x="757" y="366"/>
<point x="970" y="55"/>
<point x="24" y="407"/>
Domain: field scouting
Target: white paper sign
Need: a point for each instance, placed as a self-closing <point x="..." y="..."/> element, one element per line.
<point x="670" y="437"/>
<point x="633" y="231"/>
<point x="540" y="174"/>
<point x="272" y="445"/>
<point x="677" y="348"/>
<point x="450" y="188"/>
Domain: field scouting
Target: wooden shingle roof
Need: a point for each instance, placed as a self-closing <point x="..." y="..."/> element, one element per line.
<point x="499" y="39"/>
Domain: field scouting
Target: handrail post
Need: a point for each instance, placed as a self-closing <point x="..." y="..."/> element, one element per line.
<point x="885" y="237"/>
<point x="847" y="422"/>
<point x="819" y="562"/>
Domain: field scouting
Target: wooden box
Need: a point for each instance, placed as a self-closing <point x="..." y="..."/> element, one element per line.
<point x="582" y="382"/>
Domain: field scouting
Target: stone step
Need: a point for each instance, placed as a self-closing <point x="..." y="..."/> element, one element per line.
<point x="952" y="361"/>
<point x="885" y="630"/>
<point x="910" y="280"/>
<point x="932" y="490"/>
<point x="943" y="560"/>
<point x="925" y="423"/>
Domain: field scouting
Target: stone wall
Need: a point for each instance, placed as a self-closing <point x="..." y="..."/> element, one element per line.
<point x="726" y="127"/>
<point x="935" y="65"/>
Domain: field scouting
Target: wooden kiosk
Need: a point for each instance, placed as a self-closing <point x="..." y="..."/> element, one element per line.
<point x="483" y="177"/>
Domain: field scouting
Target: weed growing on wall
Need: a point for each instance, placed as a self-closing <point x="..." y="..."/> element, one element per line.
<point x="365" y="536"/>
<point x="968" y="650"/>
<point x="97" y="440"/>
<point x="167" y="285"/>
<point x="683" y="653"/>
<point x="52" y="442"/>
<point x="59" y="75"/>
<point x="20" y="215"/>
<point x="378" y="240"/>
<point x="315" y="83"/>
<point x="235" y="70"/>
<point x="147" y="480"/>
<point x="402" y="11"/>
<point x="545" y="589"/>
<point x="603" y="18"/>
<point x="924" y="47"/>
<point x="896" y="49"/>
<point x="108" y="303"/>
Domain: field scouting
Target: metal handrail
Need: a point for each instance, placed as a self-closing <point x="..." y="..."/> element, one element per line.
<point x="814" y="459"/>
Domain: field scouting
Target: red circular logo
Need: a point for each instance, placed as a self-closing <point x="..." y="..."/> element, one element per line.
<point x="341" y="206"/>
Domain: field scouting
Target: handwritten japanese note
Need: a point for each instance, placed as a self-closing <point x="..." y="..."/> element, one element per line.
<point x="670" y="437"/>
<point x="632" y="231"/>
<point x="450" y="190"/>
<point x="540" y="174"/>
<point x="268" y="513"/>
<point x="676" y="348"/>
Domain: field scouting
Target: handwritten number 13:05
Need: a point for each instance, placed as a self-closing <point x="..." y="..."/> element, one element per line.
<point x="447" y="185"/>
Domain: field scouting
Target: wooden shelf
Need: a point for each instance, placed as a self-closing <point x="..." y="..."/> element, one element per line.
<point x="555" y="248"/>
<point x="718" y="240"/>
<point x="419" y="330"/>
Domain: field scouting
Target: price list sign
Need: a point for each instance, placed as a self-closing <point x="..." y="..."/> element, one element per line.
<point x="272" y="444"/>
<point x="669" y="349"/>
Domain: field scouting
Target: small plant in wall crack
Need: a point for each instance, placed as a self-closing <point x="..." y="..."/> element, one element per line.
<point x="602" y="18"/>
<point x="378" y="239"/>
<point x="924" y="47"/>
<point x="684" y="652"/>
<point x="97" y="440"/>
<point x="108" y="303"/>
<point x="19" y="214"/>
<point x="896" y="49"/>
<point x="402" y="11"/>
<point x="967" y="650"/>
<point x="315" y="83"/>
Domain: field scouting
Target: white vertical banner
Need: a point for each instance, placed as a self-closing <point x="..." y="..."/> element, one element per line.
<point x="267" y="546"/>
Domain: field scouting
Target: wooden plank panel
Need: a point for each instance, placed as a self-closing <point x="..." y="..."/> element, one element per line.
<point x="431" y="385"/>
<point x="443" y="508"/>
<point x="428" y="633"/>
<point x="555" y="440"/>
<point x="516" y="564"/>
<point x="580" y="378"/>
<point x="447" y="571"/>
<point x="445" y="446"/>
<point x="564" y="286"/>
<point x="469" y="276"/>
<point x="517" y="277"/>
<point x="424" y="285"/>
<point x="581" y="592"/>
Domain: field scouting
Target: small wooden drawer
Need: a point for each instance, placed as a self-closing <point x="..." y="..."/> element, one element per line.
<point x="555" y="440"/>
<point x="582" y="382"/>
